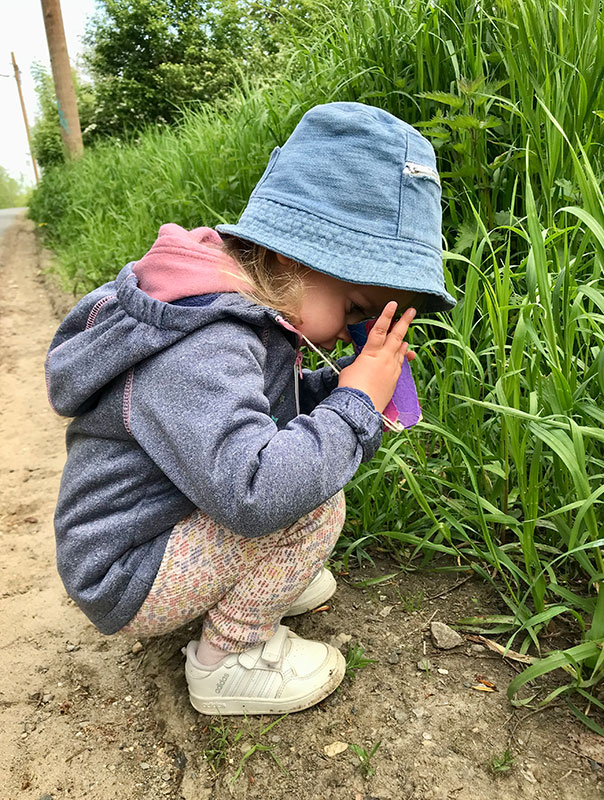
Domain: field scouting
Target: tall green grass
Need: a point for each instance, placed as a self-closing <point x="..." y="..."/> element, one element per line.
<point x="503" y="476"/>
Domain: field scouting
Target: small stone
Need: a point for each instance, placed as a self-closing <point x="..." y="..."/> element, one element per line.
<point x="335" y="748"/>
<point x="385" y="611"/>
<point x="144" y="765"/>
<point x="399" y="715"/>
<point x="275" y="738"/>
<point x="137" y="647"/>
<point x="418" y="712"/>
<point x="340" y="639"/>
<point x="245" y="746"/>
<point x="527" y="774"/>
<point x="393" y="657"/>
<point x="46" y="698"/>
<point x="46" y="797"/>
<point x="71" y="648"/>
<point x="444" y="637"/>
<point x="442" y="671"/>
<point x="427" y="736"/>
<point x="424" y="665"/>
<point x="478" y="648"/>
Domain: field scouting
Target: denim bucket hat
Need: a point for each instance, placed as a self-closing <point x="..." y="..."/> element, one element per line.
<point x="354" y="192"/>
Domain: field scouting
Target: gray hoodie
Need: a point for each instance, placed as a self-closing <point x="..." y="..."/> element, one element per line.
<point x="182" y="405"/>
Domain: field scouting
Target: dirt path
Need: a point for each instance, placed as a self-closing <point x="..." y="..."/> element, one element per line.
<point x="83" y="716"/>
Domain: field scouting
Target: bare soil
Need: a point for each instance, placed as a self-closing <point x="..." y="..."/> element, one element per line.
<point x="83" y="716"/>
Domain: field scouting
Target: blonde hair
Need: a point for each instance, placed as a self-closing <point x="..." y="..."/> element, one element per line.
<point x="270" y="284"/>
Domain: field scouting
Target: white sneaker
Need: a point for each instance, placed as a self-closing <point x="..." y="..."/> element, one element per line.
<point x="285" y="674"/>
<point x="320" y="589"/>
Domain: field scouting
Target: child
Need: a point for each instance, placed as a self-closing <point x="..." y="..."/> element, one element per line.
<point x="205" y="469"/>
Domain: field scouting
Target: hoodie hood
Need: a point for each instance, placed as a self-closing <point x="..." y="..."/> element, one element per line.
<point x="130" y="319"/>
<point x="185" y="263"/>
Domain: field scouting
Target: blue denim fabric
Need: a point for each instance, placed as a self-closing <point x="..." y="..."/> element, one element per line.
<point x="354" y="193"/>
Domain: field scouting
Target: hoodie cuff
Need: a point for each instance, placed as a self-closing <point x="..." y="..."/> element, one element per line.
<point x="356" y="408"/>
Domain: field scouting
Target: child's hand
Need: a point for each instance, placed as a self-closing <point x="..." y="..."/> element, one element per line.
<point x="377" y="368"/>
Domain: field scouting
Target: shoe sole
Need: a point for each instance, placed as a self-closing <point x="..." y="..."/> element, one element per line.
<point x="239" y="706"/>
<point x="313" y="601"/>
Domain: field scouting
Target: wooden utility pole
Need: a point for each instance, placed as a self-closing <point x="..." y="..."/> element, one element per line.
<point x="63" y="80"/>
<point x="31" y="152"/>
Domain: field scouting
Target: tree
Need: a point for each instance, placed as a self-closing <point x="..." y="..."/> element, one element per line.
<point x="46" y="131"/>
<point x="149" y="58"/>
<point x="13" y="194"/>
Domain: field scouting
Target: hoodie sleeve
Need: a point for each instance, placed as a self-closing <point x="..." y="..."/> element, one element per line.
<point x="200" y="412"/>
<point x="317" y="384"/>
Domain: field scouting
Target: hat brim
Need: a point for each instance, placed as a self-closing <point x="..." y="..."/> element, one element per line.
<point x="349" y="255"/>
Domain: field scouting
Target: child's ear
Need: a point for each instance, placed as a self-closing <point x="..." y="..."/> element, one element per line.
<point x="283" y="260"/>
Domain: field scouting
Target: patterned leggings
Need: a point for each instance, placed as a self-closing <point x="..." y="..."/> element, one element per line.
<point x="241" y="586"/>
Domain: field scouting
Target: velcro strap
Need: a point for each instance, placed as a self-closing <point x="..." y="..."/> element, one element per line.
<point x="273" y="649"/>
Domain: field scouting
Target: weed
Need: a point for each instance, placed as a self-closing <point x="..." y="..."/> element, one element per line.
<point x="220" y="739"/>
<point x="259" y="747"/>
<point x="410" y="602"/>
<point x="365" y="766"/>
<point x="356" y="660"/>
<point x="501" y="764"/>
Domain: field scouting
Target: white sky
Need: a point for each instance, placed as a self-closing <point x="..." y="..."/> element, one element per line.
<point x="22" y="31"/>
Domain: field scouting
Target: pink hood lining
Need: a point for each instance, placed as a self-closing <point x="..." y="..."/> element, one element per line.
<point x="185" y="263"/>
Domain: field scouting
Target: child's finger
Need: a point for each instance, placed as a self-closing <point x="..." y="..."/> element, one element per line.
<point x="399" y="330"/>
<point x="379" y="333"/>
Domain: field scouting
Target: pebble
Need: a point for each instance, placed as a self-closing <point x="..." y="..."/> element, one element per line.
<point x="424" y="665"/>
<point x="71" y="648"/>
<point x="384" y="612"/>
<point x="340" y="639"/>
<point x="442" y="671"/>
<point x="393" y="657"/>
<point x="527" y="774"/>
<point x="137" y="647"/>
<point x="46" y="797"/>
<point x="399" y="715"/>
<point x="335" y="748"/>
<point x="144" y="765"/>
<point x="46" y="698"/>
<point x="427" y="736"/>
<point x="478" y="648"/>
<point x="444" y="637"/>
